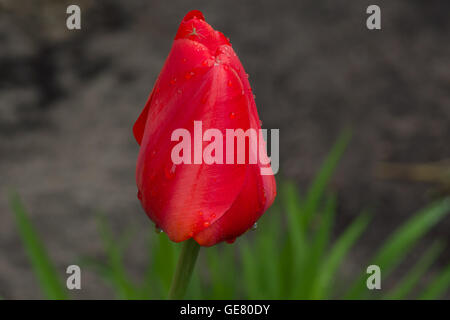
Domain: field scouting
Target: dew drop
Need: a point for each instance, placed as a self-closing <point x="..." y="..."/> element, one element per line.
<point x="173" y="81"/>
<point x="157" y="229"/>
<point x="226" y="67"/>
<point x="206" y="224"/>
<point x="255" y="226"/>
<point x="230" y="241"/>
<point x="213" y="215"/>
<point x="191" y="234"/>
<point x="200" y="213"/>
<point x="188" y="75"/>
<point x="230" y="84"/>
<point x="170" y="173"/>
<point x="205" y="63"/>
<point x="232" y="115"/>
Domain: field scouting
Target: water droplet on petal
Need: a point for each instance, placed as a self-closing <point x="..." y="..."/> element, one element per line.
<point x="206" y="224"/>
<point x="205" y="63"/>
<point x="188" y="75"/>
<point x="255" y="226"/>
<point x="157" y="229"/>
<point x="225" y="67"/>
<point x="230" y="241"/>
<point x="200" y="213"/>
<point x="230" y="83"/>
<point x="191" y="234"/>
<point x="232" y="115"/>
<point x="170" y="173"/>
<point x="173" y="81"/>
<point x="213" y="215"/>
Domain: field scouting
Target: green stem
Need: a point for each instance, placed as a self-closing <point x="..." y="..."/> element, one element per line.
<point x="183" y="272"/>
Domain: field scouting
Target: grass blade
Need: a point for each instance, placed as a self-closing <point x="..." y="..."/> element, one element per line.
<point x="114" y="252"/>
<point x="317" y="189"/>
<point x="42" y="265"/>
<point x="250" y="269"/>
<point x="164" y="261"/>
<point x="265" y="235"/>
<point x="220" y="279"/>
<point x="319" y="245"/>
<point x="402" y="241"/>
<point x="438" y="286"/>
<point x="408" y="283"/>
<point x="337" y="254"/>
<point x="297" y="246"/>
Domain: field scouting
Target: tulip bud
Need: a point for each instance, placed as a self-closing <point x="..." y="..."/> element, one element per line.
<point x="204" y="84"/>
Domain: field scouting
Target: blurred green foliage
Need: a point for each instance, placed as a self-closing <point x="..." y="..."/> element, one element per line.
<point x="293" y="254"/>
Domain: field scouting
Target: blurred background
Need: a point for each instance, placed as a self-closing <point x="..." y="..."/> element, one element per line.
<point x="68" y="100"/>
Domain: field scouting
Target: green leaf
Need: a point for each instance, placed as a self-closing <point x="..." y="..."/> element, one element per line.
<point x="337" y="255"/>
<point x="317" y="188"/>
<point x="319" y="245"/>
<point x="164" y="261"/>
<point x="250" y="270"/>
<point x="42" y="265"/>
<point x="222" y="268"/>
<point x="114" y="251"/>
<point x="326" y="225"/>
<point x="402" y="241"/>
<point x="266" y="233"/>
<point x="297" y="247"/>
<point x="439" y="286"/>
<point x="411" y="279"/>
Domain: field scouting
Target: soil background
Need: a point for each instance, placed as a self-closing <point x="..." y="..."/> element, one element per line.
<point x="68" y="100"/>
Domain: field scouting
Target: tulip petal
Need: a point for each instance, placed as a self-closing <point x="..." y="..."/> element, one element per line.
<point x="202" y="80"/>
<point x="139" y="125"/>
<point x="258" y="193"/>
<point x="184" y="203"/>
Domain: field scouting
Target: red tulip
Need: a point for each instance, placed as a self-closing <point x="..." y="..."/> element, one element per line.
<point x="202" y="80"/>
